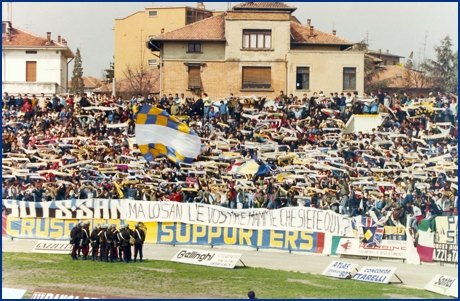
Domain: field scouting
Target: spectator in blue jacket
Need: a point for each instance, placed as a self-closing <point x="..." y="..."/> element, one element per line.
<point x="222" y="110"/>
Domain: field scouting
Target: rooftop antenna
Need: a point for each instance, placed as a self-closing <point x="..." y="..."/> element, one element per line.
<point x="9" y="12"/>
<point x="367" y="39"/>
<point x="333" y="25"/>
<point x="424" y="46"/>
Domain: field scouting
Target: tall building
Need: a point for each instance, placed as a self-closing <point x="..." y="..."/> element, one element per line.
<point x="132" y="33"/>
<point x="257" y="48"/>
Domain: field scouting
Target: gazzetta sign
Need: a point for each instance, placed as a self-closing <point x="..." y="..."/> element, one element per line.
<point x="444" y="285"/>
<point x="52" y="247"/>
<point x="213" y="259"/>
<point x="374" y="274"/>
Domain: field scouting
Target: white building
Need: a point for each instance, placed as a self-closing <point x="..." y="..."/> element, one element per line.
<point x="33" y="64"/>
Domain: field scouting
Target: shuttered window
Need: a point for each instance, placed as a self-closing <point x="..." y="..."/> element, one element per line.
<point x="257" y="77"/>
<point x="194" y="77"/>
<point x="31" y="71"/>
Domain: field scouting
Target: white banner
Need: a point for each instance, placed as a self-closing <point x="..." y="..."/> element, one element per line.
<point x="292" y="218"/>
<point x="68" y="209"/>
<point x="444" y="285"/>
<point x="12" y="293"/>
<point x="339" y="269"/>
<point x="212" y="259"/>
<point x="388" y="248"/>
<point x="52" y="247"/>
<point x="374" y="274"/>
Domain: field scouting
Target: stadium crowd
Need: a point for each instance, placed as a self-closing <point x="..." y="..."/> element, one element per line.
<point x="83" y="146"/>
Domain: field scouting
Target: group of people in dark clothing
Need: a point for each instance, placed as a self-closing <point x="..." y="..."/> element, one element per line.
<point x="108" y="244"/>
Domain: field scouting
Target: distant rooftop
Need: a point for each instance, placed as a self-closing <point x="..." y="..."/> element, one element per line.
<point x="264" y="6"/>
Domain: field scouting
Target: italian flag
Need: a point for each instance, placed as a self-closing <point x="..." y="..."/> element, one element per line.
<point x="425" y="241"/>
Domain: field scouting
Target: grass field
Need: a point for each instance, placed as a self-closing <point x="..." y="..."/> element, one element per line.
<point x="165" y="279"/>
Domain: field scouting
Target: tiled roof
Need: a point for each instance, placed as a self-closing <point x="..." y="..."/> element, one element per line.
<point x="151" y="79"/>
<point x="20" y="37"/>
<point x="262" y="5"/>
<point x="301" y="34"/>
<point x="373" y="58"/>
<point x="398" y="75"/>
<point x="211" y="29"/>
<point x="372" y="52"/>
<point x="90" y="82"/>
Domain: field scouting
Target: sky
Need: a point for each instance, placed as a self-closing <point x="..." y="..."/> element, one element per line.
<point x="400" y="27"/>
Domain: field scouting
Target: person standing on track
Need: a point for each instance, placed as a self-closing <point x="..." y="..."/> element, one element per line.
<point x="102" y="243"/>
<point x="85" y="240"/>
<point x="95" y="242"/>
<point x="109" y="247"/>
<point x="139" y="238"/>
<point x="75" y="234"/>
<point x="124" y="234"/>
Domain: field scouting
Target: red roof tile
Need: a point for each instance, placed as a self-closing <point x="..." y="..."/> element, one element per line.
<point x="257" y="5"/>
<point x="302" y="34"/>
<point x="399" y="76"/>
<point x="211" y="29"/>
<point x="90" y="82"/>
<point x="22" y="38"/>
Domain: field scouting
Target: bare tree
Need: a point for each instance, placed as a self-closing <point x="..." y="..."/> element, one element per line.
<point x="415" y="77"/>
<point x="139" y="80"/>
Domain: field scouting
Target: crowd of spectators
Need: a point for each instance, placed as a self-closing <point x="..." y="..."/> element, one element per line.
<point x="83" y="146"/>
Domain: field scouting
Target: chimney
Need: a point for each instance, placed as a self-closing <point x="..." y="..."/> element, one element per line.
<point x="334" y="32"/>
<point x="64" y="41"/>
<point x="308" y="22"/>
<point x="311" y="30"/>
<point x="59" y="39"/>
<point x="200" y="5"/>
<point x="380" y="50"/>
<point x="388" y="52"/>
<point x="48" y="36"/>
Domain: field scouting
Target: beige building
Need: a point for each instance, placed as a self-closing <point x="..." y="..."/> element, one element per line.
<point x="257" y="48"/>
<point x="387" y="58"/>
<point x="132" y="32"/>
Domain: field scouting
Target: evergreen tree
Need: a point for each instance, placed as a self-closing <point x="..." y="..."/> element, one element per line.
<point x="445" y="67"/>
<point x="77" y="84"/>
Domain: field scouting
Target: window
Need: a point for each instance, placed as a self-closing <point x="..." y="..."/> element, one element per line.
<point x="31" y="71"/>
<point x="152" y="62"/>
<point x="349" y="78"/>
<point x="302" y="78"/>
<point x="153" y="13"/>
<point x="31" y="51"/>
<point x="257" y="77"/>
<point x="257" y="39"/>
<point x="194" y="47"/>
<point x="194" y="77"/>
<point x="3" y="28"/>
<point x="194" y="16"/>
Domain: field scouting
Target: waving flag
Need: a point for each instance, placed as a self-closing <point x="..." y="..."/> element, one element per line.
<point x="159" y="134"/>
<point x="373" y="235"/>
